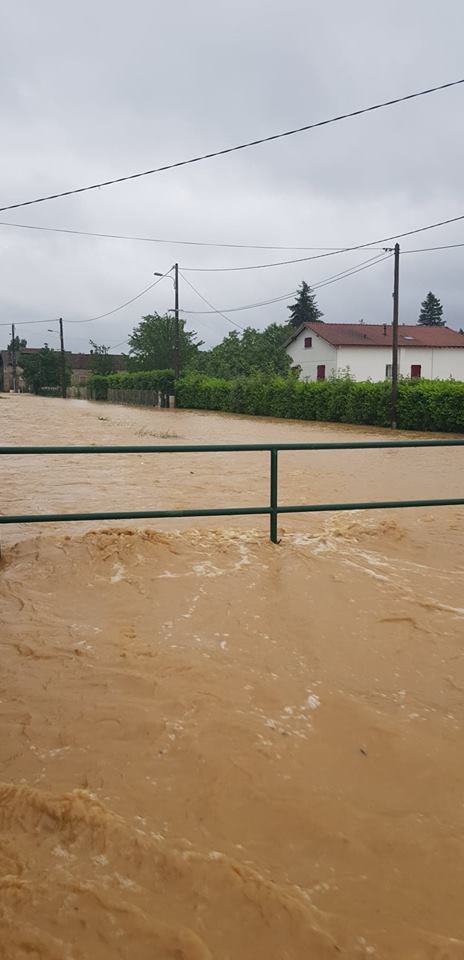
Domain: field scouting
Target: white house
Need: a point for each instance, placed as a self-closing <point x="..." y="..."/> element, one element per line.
<point x="364" y="350"/>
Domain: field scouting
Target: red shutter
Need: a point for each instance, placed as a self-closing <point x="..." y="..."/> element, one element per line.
<point x="416" y="370"/>
<point x="308" y="343"/>
<point x="321" y="371"/>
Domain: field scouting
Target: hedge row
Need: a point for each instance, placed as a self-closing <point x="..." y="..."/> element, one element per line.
<point x="157" y="380"/>
<point x="422" y="405"/>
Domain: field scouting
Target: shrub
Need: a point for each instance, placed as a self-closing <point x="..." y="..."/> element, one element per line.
<point x="98" y="385"/>
<point x="422" y="405"/>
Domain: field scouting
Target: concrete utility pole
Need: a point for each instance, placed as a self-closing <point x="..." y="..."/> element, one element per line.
<point x="176" y="317"/>
<point x="13" y="358"/>
<point x="63" y="361"/>
<point x="396" y="303"/>
<point x="176" y="356"/>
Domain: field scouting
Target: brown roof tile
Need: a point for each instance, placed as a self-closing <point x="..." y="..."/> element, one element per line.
<point x="380" y="335"/>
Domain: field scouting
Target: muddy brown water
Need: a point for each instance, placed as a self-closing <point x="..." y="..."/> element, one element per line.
<point x="212" y="747"/>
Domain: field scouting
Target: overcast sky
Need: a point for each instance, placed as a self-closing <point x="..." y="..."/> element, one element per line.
<point x="96" y="90"/>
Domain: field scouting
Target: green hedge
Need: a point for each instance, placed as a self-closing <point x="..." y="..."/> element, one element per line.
<point x="422" y="405"/>
<point x="98" y="385"/>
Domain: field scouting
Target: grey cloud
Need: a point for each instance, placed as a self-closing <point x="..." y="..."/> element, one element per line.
<point x="103" y="89"/>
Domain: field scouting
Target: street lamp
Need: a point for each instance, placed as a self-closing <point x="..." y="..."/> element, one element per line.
<point x="176" y="317"/>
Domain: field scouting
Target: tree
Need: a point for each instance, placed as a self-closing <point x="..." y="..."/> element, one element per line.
<point x="153" y="340"/>
<point x="19" y="343"/>
<point x="305" y="308"/>
<point x="252" y="352"/>
<point x="431" y="311"/>
<point x="101" y="361"/>
<point x="42" y="369"/>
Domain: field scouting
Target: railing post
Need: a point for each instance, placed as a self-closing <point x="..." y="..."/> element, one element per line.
<point x="274" y="498"/>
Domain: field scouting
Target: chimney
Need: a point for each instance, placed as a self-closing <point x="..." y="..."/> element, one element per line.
<point x="385" y="329"/>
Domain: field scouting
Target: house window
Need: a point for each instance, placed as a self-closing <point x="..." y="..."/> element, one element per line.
<point x="308" y="343"/>
<point x="416" y="370"/>
<point x="321" y="371"/>
<point x="388" y="371"/>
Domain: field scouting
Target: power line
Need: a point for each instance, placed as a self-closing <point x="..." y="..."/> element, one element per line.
<point x="350" y="271"/>
<point x="101" y="316"/>
<point x="122" y="343"/>
<point x="188" y="243"/>
<point x="235" y="246"/>
<point x="241" y="146"/>
<point x="246" y="306"/>
<point x="321" y="256"/>
<point x="263" y="303"/>
<point x="221" y="314"/>
<point x="445" y="246"/>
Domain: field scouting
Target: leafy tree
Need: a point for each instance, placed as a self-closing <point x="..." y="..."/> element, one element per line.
<point x="42" y="369"/>
<point x="246" y="354"/>
<point x="224" y="360"/>
<point x="19" y="343"/>
<point x="153" y="340"/>
<point x="101" y="361"/>
<point x="431" y="313"/>
<point x="305" y="308"/>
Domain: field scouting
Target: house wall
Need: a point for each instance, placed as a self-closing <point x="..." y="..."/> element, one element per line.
<point x="437" y="363"/>
<point x="7" y="373"/>
<point x="79" y="377"/>
<point x="308" y="360"/>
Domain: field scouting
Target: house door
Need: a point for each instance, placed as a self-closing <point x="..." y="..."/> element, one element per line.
<point x="321" y="371"/>
<point x="416" y="371"/>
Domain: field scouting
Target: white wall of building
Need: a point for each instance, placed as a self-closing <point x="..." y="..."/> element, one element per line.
<point x="437" y="363"/>
<point x="309" y="359"/>
<point x="370" y="363"/>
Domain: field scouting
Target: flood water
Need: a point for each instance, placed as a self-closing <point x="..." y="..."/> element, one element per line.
<point x="213" y="747"/>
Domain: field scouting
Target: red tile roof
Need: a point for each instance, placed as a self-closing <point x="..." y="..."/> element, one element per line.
<point x="83" y="361"/>
<point x="380" y="335"/>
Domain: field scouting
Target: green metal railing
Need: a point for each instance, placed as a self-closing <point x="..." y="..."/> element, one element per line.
<point x="272" y="510"/>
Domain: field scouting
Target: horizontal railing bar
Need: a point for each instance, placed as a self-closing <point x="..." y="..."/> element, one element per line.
<point x="230" y="447"/>
<point x="229" y="511"/>
<point x="135" y="515"/>
<point x="371" y="505"/>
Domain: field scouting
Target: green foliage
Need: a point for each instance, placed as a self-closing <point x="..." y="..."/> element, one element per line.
<point x="157" y="380"/>
<point x="19" y="343"/>
<point x="42" y="371"/>
<point x="97" y="386"/>
<point x="153" y="340"/>
<point x="431" y="313"/>
<point x="101" y="362"/>
<point x="248" y="354"/>
<point x="423" y="405"/>
<point x="305" y="308"/>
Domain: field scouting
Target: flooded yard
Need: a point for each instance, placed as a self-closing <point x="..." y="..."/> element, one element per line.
<point x="211" y="746"/>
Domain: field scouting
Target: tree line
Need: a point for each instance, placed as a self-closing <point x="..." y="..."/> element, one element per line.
<point x="240" y="354"/>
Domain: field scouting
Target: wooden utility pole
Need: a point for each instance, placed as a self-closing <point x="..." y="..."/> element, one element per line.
<point x="63" y="361"/>
<point x="176" y="318"/>
<point x="396" y="299"/>
<point x="13" y="358"/>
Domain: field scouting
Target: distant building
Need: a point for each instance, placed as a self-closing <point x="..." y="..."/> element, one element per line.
<point x="364" y="350"/>
<point x="80" y="364"/>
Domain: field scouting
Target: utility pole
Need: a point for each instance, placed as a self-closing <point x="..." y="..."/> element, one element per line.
<point x="63" y="361"/>
<point x="396" y="299"/>
<point x="176" y="318"/>
<point x="13" y="358"/>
